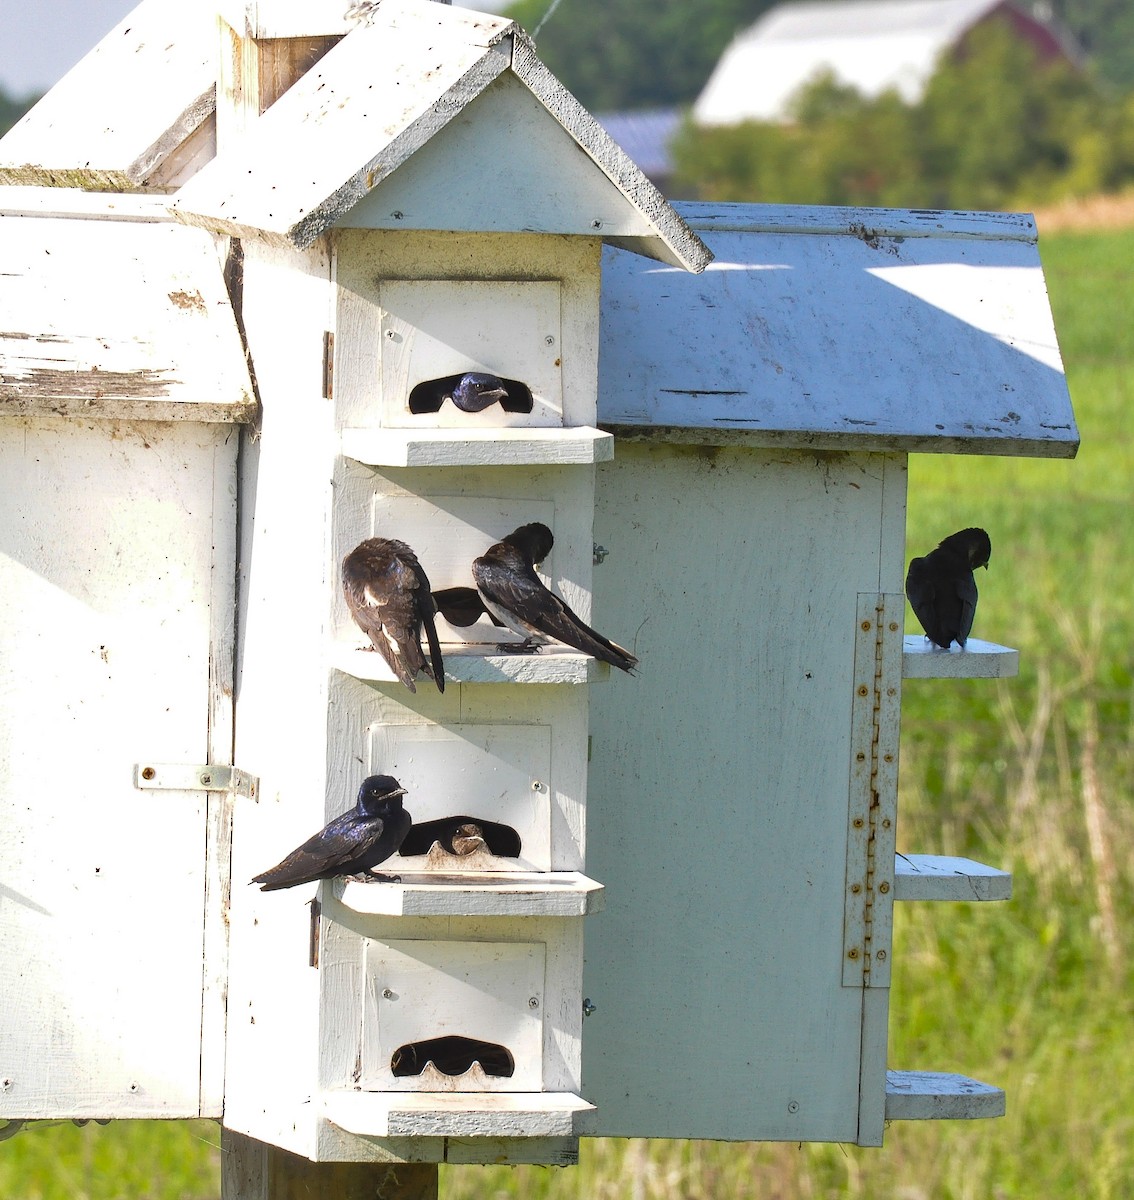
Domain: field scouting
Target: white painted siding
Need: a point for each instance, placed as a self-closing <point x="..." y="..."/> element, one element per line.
<point x="116" y="572"/>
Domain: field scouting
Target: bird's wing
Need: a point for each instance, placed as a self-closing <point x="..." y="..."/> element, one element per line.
<point x="521" y="592"/>
<point x="967" y="593"/>
<point x="344" y="839"/>
<point x="387" y="610"/>
<point x="921" y="591"/>
<point x="427" y="613"/>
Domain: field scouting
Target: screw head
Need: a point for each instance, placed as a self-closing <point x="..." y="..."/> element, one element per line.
<point x="533" y="1002"/>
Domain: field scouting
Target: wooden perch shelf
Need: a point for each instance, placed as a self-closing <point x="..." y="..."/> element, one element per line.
<point x="936" y="1096"/>
<point x="482" y="447"/>
<point x="457" y="1114"/>
<point x="471" y="663"/>
<point x="921" y="659"/>
<point x="941" y="877"/>
<point x="515" y="894"/>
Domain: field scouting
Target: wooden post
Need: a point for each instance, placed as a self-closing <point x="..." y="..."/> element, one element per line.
<point x="252" y="1170"/>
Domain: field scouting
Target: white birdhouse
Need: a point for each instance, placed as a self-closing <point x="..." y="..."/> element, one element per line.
<point x="346" y="219"/>
<point x="755" y="515"/>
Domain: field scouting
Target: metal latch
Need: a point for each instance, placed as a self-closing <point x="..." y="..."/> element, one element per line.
<point x="212" y="777"/>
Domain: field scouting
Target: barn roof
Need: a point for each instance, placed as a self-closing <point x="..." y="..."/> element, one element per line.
<point x="872" y="45"/>
<point x="845" y="329"/>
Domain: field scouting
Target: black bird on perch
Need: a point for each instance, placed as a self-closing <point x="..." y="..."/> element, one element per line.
<point x="942" y="590"/>
<point x="512" y="591"/>
<point x="389" y="597"/>
<point x="353" y="844"/>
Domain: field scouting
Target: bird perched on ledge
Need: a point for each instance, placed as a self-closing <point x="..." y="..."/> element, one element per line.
<point x="389" y="597"/>
<point x="942" y="590"/>
<point x="512" y="591"/>
<point x="352" y="844"/>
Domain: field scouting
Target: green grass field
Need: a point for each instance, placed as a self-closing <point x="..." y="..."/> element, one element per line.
<point x="1033" y="774"/>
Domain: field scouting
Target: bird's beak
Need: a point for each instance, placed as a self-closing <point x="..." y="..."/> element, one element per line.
<point x="398" y="792"/>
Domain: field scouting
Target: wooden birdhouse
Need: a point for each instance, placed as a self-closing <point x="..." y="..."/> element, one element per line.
<point x="399" y="202"/>
<point x="317" y="241"/>
<point x="755" y="518"/>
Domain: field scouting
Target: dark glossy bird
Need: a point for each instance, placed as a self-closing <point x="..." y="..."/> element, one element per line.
<point x="510" y="588"/>
<point x="352" y="844"/>
<point x="389" y="597"/>
<point x="475" y="391"/>
<point x="941" y="588"/>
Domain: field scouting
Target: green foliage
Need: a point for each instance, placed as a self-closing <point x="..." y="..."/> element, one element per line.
<point x="126" y="1160"/>
<point x="995" y="129"/>
<point x="12" y="108"/>
<point x="615" y="54"/>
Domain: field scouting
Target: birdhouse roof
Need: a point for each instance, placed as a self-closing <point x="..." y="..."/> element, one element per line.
<point x="433" y="117"/>
<point x="423" y="116"/>
<point x="111" y="309"/>
<point x="143" y="99"/>
<point x="840" y="329"/>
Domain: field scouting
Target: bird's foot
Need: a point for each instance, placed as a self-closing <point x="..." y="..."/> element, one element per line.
<point x="527" y="646"/>
<point x="374" y="877"/>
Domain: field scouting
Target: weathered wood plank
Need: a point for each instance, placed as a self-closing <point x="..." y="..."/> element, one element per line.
<point x="117" y="319"/>
<point x="252" y="1170"/>
<point x="437" y="1114"/>
<point x="837" y="336"/>
<point x="496" y="446"/>
<point x="939" y="1096"/>
<point x="921" y="659"/>
<point x="84" y="133"/>
<point x="944" y="877"/>
<point x="558" y="894"/>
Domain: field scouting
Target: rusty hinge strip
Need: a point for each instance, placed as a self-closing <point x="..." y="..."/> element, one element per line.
<point x="328" y="364"/>
<point x="209" y="777"/>
<point x="872" y="809"/>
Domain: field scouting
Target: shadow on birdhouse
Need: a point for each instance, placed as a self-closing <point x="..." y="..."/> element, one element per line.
<point x="462" y="837"/>
<point x="452" y="1055"/>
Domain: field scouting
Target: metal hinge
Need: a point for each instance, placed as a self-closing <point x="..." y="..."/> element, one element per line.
<point x="873" y="801"/>
<point x="211" y="777"/>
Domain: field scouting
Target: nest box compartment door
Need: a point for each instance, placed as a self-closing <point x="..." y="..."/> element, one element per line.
<point x="489" y="773"/>
<point x="433" y="329"/>
<point x="432" y="1007"/>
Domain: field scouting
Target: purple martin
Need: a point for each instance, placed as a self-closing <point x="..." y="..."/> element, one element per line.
<point x="468" y="839"/>
<point x="352" y="844"/>
<point x="941" y="588"/>
<point x="506" y="579"/>
<point x="475" y="391"/>
<point x="388" y="595"/>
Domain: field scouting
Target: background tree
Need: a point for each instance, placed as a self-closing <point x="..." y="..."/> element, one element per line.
<point x="616" y="54"/>
<point x="996" y="128"/>
<point x="12" y="108"/>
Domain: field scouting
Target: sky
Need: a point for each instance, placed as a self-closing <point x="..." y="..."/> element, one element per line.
<point x="41" y="40"/>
